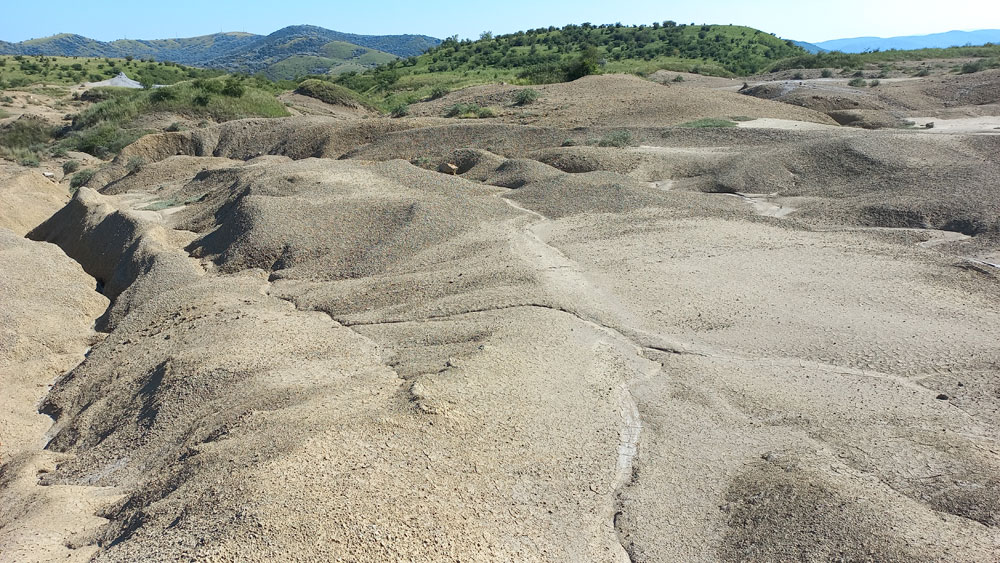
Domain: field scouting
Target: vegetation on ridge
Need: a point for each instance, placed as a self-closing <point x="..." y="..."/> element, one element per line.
<point x="552" y="54"/>
<point x="107" y="126"/>
<point x="19" y="71"/>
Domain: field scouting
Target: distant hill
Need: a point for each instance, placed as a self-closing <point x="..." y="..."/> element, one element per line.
<point x="934" y="40"/>
<point x="286" y="53"/>
<point x="809" y="47"/>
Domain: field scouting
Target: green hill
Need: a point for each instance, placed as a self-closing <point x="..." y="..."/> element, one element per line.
<point x="558" y="54"/>
<point x="19" y="70"/>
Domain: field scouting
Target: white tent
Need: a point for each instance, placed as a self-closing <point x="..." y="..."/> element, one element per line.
<point x="120" y="81"/>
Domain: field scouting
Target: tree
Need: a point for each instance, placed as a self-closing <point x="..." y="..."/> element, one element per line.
<point x="585" y="65"/>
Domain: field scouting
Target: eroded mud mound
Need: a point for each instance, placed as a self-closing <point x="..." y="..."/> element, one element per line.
<point x="697" y="345"/>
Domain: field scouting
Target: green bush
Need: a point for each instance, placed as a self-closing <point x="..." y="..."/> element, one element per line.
<point x="80" y="179"/>
<point x="923" y="72"/>
<point x="873" y="83"/>
<point x="400" y="110"/>
<point x="826" y="73"/>
<point x="620" y="139"/>
<point x="233" y="88"/>
<point x="798" y="76"/>
<point x="858" y="83"/>
<point x="525" y="97"/>
<point x="679" y="78"/>
<point x="102" y="140"/>
<point x="70" y="166"/>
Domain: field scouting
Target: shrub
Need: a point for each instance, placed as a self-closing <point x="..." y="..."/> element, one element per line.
<point x="923" y="72"/>
<point x="618" y="139"/>
<point x="80" y="179"/>
<point x="70" y="166"/>
<point x="525" y="97"/>
<point x="174" y="127"/>
<point x="30" y="160"/>
<point x="233" y="88"/>
<point x="400" y="110"/>
<point x="798" y="76"/>
<point x="858" y="83"/>
<point x="569" y="143"/>
<point x="679" y="78"/>
<point x="585" y="65"/>
<point x="975" y="66"/>
<point x="102" y="139"/>
<point x="162" y="95"/>
<point x="827" y="73"/>
<point x="201" y="100"/>
<point x="135" y="164"/>
<point x="438" y="91"/>
<point x="874" y="83"/>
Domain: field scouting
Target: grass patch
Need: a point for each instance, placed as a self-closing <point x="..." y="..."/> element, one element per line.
<point x="709" y="122"/>
<point x="858" y="83"/>
<point x="620" y="139"/>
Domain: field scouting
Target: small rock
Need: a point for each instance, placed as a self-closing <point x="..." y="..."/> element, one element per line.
<point x="942" y="397"/>
<point x="448" y="168"/>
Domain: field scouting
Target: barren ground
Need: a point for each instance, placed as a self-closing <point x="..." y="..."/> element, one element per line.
<point x="294" y="339"/>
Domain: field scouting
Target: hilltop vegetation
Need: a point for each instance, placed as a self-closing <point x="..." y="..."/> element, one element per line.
<point x="19" y="70"/>
<point x="557" y="54"/>
<point x="110" y="124"/>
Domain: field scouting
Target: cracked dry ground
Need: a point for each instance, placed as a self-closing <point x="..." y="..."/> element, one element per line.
<point x="317" y="359"/>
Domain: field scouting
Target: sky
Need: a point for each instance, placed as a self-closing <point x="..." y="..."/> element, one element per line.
<point x="803" y="20"/>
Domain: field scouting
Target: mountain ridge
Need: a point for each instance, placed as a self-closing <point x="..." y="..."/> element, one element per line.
<point x="243" y="52"/>
<point x="945" y="39"/>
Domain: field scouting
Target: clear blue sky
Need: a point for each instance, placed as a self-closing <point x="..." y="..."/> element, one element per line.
<point x="800" y="19"/>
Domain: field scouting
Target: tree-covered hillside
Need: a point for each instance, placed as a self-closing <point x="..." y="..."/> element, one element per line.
<point x="557" y="54"/>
